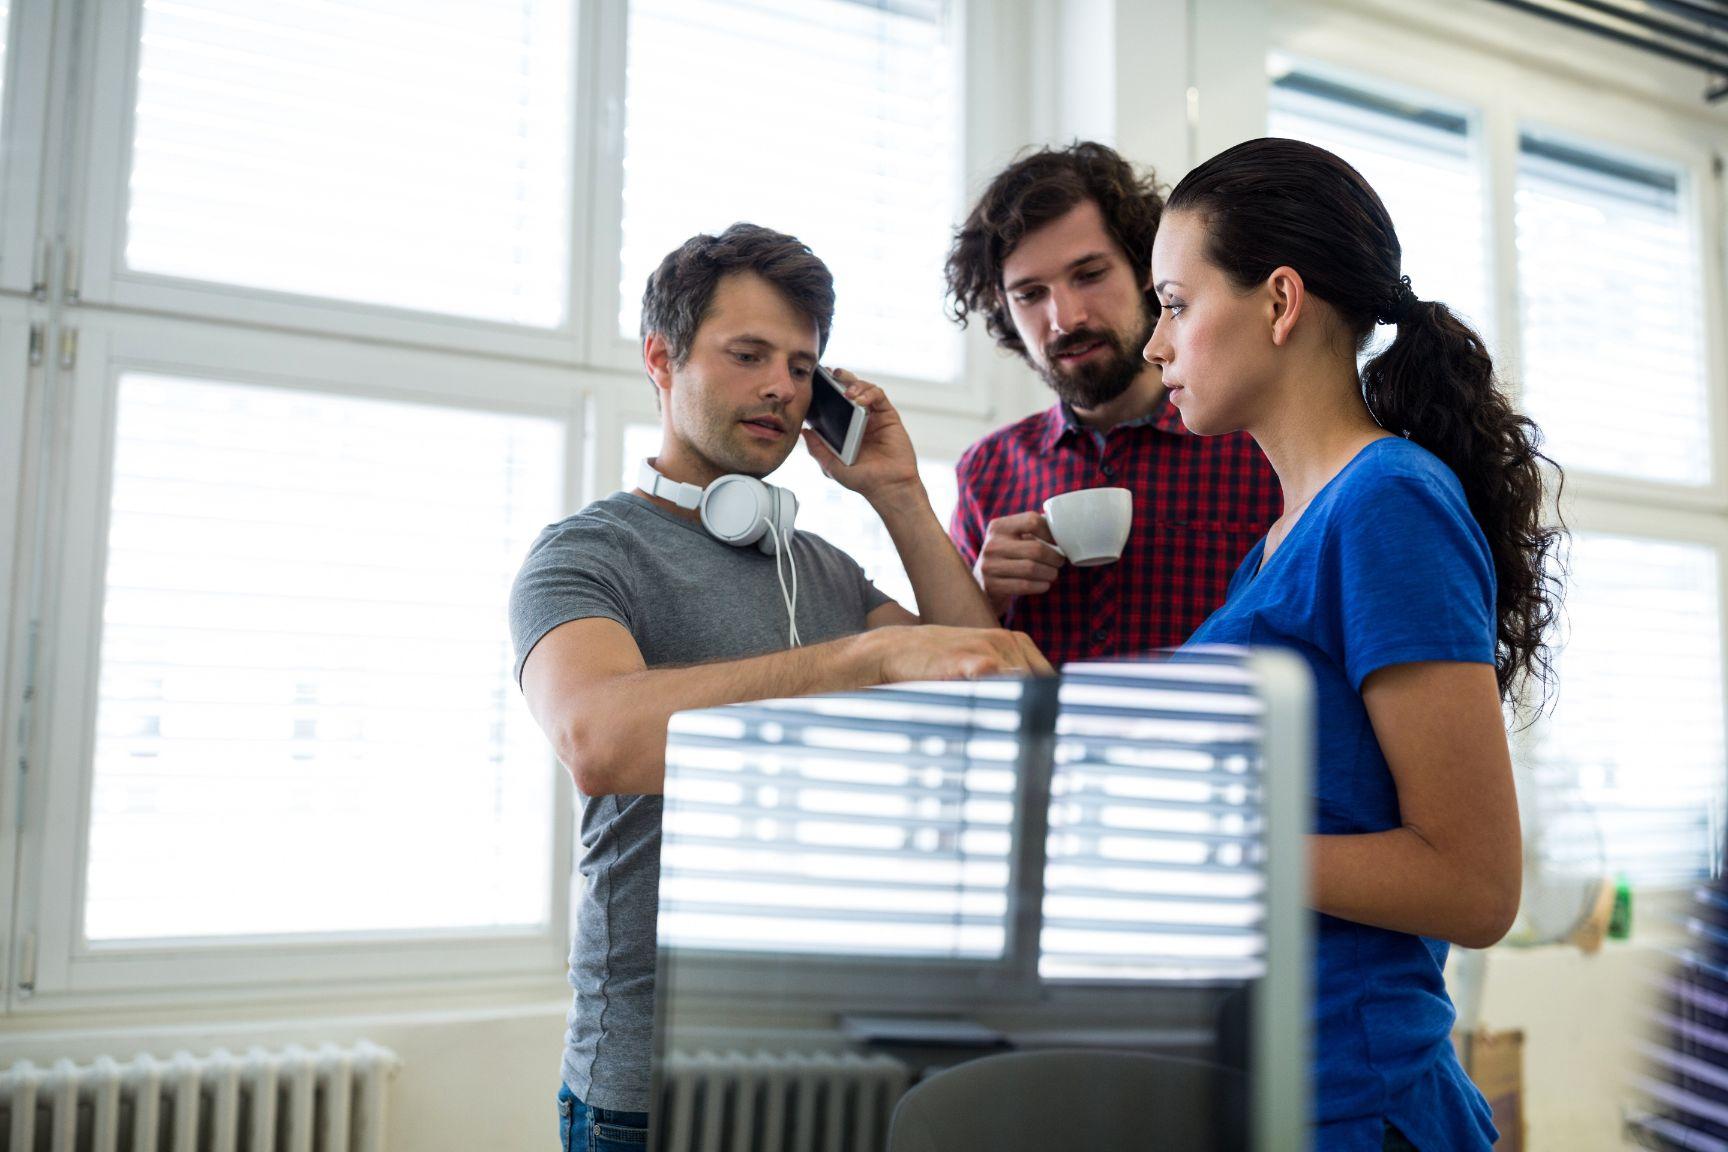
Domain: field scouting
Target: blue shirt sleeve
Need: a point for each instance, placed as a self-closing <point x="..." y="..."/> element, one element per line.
<point x="1416" y="576"/>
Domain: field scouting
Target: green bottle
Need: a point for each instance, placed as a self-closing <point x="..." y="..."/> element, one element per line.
<point x="1620" y="919"/>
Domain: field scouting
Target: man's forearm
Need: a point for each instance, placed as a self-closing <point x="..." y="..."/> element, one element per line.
<point x="946" y="591"/>
<point x="622" y="746"/>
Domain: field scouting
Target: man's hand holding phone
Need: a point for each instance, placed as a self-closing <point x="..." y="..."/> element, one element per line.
<point x="886" y="465"/>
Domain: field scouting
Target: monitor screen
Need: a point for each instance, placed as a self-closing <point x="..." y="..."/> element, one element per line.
<point x="1099" y="875"/>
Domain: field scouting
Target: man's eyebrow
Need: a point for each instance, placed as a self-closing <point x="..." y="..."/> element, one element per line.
<point x="1072" y="264"/>
<point x="762" y="343"/>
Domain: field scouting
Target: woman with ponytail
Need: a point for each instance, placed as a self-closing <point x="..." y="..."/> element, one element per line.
<point x="1408" y="569"/>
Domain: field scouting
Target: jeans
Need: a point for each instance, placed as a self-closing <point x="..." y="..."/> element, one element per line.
<point x="585" y="1129"/>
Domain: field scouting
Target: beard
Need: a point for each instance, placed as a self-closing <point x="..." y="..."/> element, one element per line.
<point x="1096" y="382"/>
<point x="714" y="438"/>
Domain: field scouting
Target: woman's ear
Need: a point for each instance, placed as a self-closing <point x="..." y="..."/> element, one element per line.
<point x="657" y="360"/>
<point x="1289" y="301"/>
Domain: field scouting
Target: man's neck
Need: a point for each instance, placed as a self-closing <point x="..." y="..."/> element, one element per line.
<point x="682" y="472"/>
<point x="1143" y="397"/>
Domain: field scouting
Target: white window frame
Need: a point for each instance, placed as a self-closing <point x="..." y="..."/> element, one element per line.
<point x="1640" y="144"/>
<point x="73" y="71"/>
<point x="111" y="83"/>
<point x="24" y="262"/>
<point x="1573" y="89"/>
<point x="68" y="970"/>
<point x="18" y="384"/>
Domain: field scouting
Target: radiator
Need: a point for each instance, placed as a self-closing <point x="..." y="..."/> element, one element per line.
<point x="777" y="1102"/>
<point x="327" y="1099"/>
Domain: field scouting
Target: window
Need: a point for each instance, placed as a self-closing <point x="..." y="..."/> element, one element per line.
<point x="1610" y="295"/>
<point x="841" y="517"/>
<point x="317" y="368"/>
<point x="1630" y="766"/>
<point x="834" y="120"/>
<point x="1609" y="355"/>
<point x="307" y="721"/>
<point x="411" y="156"/>
<point x="1422" y="160"/>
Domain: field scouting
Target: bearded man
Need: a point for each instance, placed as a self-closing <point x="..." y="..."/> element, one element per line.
<point x="1056" y="256"/>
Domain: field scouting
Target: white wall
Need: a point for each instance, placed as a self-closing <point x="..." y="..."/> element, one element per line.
<point x="1582" y="1017"/>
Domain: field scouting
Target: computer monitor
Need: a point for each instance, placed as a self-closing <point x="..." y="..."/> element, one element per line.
<point x="860" y="889"/>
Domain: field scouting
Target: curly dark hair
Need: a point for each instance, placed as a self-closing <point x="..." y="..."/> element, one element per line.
<point x="1271" y="203"/>
<point x="1031" y="192"/>
<point x="680" y="293"/>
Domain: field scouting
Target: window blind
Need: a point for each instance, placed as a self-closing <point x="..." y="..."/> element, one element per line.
<point x="834" y="120"/>
<point x="841" y="517"/>
<point x="306" y="717"/>
<point x="1153" y="868"/>
<point x="1628" y="765"/>
<point x="1611" y="304"/>
<point x="1422" y="160"/>
<point x="870" y="824"/>
<point x="416" y="156"/>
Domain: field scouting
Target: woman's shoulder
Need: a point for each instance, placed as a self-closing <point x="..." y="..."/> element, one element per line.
<point x="1391" y="471"/>
<point x="1398" y="497"/>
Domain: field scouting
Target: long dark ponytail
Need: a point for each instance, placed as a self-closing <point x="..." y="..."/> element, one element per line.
<point x="1276" y="203"/>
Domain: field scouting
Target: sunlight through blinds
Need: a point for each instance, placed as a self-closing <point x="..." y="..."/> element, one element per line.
<point x="307" y="720"/>
<point x="1629" y="762"/>
<point x="1154" y="866"/>
<point x="868" y="824"/>
<point x="1611" y="297"/>
<point x="833" y="120"/>
<point x="415" y="156"/>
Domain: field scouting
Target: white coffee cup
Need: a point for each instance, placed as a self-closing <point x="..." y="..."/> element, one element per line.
<point x="1090" y="525"/>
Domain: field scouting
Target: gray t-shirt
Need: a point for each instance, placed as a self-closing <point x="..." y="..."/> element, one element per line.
<point x="686" y="598"/>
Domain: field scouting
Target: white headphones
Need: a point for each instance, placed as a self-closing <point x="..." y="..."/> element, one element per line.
<point x="736" y="509"/>
<point x="740" y="510"/>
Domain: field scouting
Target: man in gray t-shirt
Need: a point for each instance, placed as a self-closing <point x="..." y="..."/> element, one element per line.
<point x="632" y="610"/>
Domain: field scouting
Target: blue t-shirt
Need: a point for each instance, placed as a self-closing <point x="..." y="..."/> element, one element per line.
<point x="1387" y="566"/>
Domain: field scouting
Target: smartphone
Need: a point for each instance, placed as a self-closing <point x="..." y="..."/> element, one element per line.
<point x="836" y="419"/>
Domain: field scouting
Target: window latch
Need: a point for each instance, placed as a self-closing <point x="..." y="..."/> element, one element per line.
<point x="39" y="270"/>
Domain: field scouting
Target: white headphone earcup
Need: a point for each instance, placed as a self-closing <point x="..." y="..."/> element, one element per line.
<point x="737" y="509"/>
<point x="783" y="515"/>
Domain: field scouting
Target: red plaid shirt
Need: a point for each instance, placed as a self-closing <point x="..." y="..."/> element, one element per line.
<point x="1199" y="504"/>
